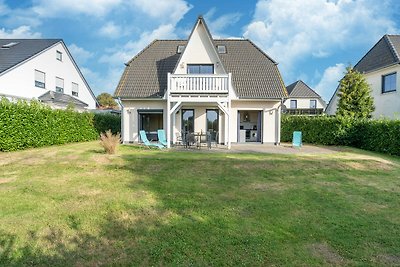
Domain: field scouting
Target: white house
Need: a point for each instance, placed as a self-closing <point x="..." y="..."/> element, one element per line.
<point x="380" y="67"/>
<point x="230" y="88"/>
<point x="303" y="100"/>
<point x="42" y="69"/>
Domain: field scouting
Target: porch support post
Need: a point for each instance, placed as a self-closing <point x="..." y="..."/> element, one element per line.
<point x="168" y="131"/>
<point x="172" y="113"/>
<point x="226" y="110"/>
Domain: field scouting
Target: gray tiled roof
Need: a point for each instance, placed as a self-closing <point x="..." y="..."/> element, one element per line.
<point x="55" y="97"/>
<point x="384" y="53"/>
<point x="254" y="74"/>
<point x="300" y="89"/>
<point x="25" y="49"/>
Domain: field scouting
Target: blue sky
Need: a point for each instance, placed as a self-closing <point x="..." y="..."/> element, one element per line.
<point x="312" y="40"/>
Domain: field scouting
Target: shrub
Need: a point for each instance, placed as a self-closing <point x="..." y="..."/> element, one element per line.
<point x="375" y="135"/>
<point x="104" y="122"/>
<point x="109" y="141"/>
<point x="24" y="125"/>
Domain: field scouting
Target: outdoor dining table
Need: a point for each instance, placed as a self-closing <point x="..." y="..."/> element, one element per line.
<point x="198" y="138"/>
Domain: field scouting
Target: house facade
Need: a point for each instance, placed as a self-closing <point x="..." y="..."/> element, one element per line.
<point x="303" y="100"/>
<point x="43" y="69"/>
<point x="381" y="68"/>
<point x="229" y="88"/>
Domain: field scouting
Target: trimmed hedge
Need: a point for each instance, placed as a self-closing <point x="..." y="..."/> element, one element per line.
<point x="104" y="122"/>
<point x="375" y="135"/>
<point x="24" y="125"/>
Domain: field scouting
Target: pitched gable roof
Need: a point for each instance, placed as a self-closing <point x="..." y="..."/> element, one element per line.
<point x="55" y="97"/>
<point x="254" y="74"/>
<point x="23" y="50"/>
<point x="384" y="53"/>
<point x="300" y="89"/>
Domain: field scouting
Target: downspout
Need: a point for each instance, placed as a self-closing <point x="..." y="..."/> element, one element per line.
<point x="122" y="119"/>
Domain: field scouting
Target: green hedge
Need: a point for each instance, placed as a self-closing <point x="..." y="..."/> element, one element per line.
<point x="104" y="122"/>
<point x="24" y="125"/>
<point x="375" y="135"/>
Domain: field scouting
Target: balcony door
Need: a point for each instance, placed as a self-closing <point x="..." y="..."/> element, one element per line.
<point x="187" y="120"/>
<point x="200" y="69"/>
<point x="212" y="123"/>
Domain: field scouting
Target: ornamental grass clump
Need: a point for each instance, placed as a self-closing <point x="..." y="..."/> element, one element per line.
<point x="110" y="141"/>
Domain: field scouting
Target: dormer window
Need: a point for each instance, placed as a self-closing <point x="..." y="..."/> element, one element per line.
<point x="9" y="45"/>
<point x="180" y="49"/>
<point x="200" y="69"/>
<point x="221" y="49"/>
<point x="59" y="55"/>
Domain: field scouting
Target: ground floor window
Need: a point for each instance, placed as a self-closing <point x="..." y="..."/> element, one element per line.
<point x="212" y="123"/>
<point x="187" y="120"/>
<point x="150" y="121"/>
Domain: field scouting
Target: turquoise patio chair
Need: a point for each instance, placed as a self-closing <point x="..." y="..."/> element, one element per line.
<point x="161" y="137"/>
<point x="297" y="142"/>
<point x="146" y="141"/>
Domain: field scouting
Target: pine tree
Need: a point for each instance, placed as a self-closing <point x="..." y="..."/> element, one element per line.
<point x="355" y="98"/>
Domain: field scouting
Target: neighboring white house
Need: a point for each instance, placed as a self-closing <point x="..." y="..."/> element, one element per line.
<point x="380" y="67"/>
<point x="42" y="69"/>
<point x="303" y="100"/>
<point x="227" y="87"/>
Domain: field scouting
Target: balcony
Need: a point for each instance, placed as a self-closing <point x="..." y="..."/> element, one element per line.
<point x="200" y="84"/>
<point x="303" y="111"/>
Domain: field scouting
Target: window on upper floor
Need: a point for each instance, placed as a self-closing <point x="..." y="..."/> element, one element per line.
<point x="180" y="49"/>
<point x="293" y="104"/>
<point x="389" y="83"/>
<point x="200" y="69"/>
<point x="221" y="49"/>
<point x="40" y="79"/>
<point x="59" y="55"/>
<point x="75" y="89"/>
<point x="59" y="85"/>
<point x="313" y="103"/>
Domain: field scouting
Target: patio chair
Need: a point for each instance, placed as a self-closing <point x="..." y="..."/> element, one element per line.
<point x="161" y="137"/>
<point x="146" y="141"/>
<point x="297" y="136"/>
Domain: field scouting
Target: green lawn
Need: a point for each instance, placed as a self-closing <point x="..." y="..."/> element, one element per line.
<point x="74" y="205"/>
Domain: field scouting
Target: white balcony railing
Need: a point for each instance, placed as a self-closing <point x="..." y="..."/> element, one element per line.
<point x="199" y="83"/>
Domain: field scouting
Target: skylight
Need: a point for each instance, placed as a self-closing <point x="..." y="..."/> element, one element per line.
<point x="9" y="45"/>
<point x="180" y="49"/>
<point x="221" y="49"/>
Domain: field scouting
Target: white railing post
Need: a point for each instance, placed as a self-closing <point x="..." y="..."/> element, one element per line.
<point x="199" y="83"/>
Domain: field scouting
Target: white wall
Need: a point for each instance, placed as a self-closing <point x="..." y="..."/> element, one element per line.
<point x="270" y="118"/>
<point x="20" y="81"/>
<point x="386" y="104"/>
<point x="199" y="50"/>
<point x="130" y="117"/>
<point x="304" y="102"/>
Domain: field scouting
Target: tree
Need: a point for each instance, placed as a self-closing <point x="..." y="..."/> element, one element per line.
<point x="106" y="101"/>
<point x="355" y="98"/>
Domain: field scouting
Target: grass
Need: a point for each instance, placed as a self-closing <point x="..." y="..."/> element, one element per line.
<point x="75" y="205"/>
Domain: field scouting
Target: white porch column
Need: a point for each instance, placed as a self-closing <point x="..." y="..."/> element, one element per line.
<point x="168" y="131"/>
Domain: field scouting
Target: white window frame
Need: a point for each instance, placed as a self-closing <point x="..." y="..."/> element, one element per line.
<point x="311" y="101"/>
<point x="59" y="55"/>
<point x="59" y="85"/>
<point x="38" y="81"/>
<point x="295" y="104"/>
<point x="75" y="92"/>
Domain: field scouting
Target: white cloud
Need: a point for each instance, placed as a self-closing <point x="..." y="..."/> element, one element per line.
<point x="292" y="30"/>
<point x="110" y="30"/>
<point x="79" y="54"/>
<point x="219" y="24"/>
<point x="47" y="8"/>
<point x="164" y="11"/>
<point x="330" y="80"/>
<point x="121" y="55"/>
<point x="20" y="32"/>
